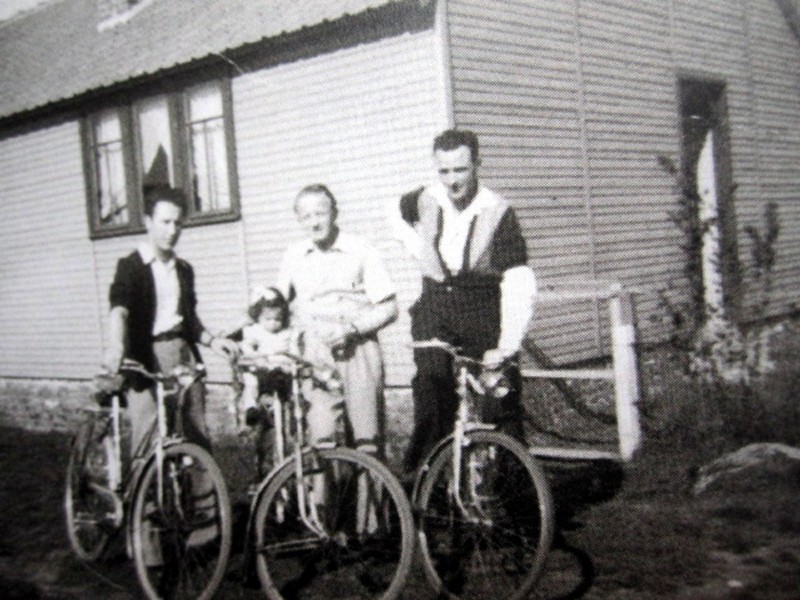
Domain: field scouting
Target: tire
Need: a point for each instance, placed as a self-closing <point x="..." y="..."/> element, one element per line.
<point x="361" y="558"/>
<point x="496" y="546"/>
<point x="181" y="545"/>
<point x="88" y="512"/>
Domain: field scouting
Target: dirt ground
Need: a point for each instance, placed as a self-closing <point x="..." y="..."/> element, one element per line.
<point x="643" y="536"/>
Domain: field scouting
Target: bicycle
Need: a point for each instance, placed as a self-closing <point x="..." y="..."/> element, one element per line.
<point x="326" y="521"/>
<point x="170" y="498"/>
<point x="485" y="516"/>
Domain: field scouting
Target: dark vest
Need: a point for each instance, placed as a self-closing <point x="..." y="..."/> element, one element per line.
<point x="487" y="254"/>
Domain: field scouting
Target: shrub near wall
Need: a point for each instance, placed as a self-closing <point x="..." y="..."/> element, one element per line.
<point x="52" y="405"/>
<point x="42" y="405"/>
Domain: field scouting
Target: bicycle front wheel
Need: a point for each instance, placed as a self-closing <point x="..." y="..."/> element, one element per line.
<point x="87" y="509"/>
<point x="345" y="530"/>
<point x="486" y="521"/>
<point x="181" y="525"/>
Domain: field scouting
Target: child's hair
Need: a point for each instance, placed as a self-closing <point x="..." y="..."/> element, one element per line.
<point x="271" y="298"/>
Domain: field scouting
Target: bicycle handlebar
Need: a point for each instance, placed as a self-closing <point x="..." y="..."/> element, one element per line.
<point x="248" y="363"/>
<point x="491" y="381"/>
<point x="322" y="375"/>
<point x="457" y="353"/>
<point x="179" y="372"/>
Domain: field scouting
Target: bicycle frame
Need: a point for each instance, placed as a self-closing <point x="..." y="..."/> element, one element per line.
<point x="122" y="487"/>
<point x="307" y="508"/>
<point x="465" y="381"/>
<point x="466" y="384"/>
<point x="485" y="513"/>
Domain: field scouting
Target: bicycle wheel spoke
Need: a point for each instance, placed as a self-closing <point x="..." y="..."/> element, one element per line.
<point x="347" y="534"/>
<point x="182" y="529"/>
<point x="487" y="534"/>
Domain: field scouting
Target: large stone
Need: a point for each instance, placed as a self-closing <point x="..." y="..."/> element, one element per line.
<point x="750" y="468"/>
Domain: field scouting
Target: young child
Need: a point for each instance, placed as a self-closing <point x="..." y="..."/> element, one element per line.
<point x="269" y="333"/>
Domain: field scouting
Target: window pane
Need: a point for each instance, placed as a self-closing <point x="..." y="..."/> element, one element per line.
<point x="112" y="198"/>
<point x="209" y="161"/>
<point x="154" y="134"/>
<point x="205" y="103"/>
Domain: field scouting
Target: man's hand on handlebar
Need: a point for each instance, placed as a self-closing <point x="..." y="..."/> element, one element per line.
<point x="494" y="358"/>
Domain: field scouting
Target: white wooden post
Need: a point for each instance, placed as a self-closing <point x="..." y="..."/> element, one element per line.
<point x="626" y="379"/>
<point x="711" y="251"/>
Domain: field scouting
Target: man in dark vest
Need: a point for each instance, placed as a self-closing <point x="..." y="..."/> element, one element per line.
<point x="153" y="318"/>
<point x="477" y="290"/>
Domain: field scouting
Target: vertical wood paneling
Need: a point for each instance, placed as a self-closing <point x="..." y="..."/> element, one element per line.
<point x="575" y="100"/>
<point x="360" y="120"/>
<point x="49" y="323"/>
<point x="774" y="55"/>
<point x="630" y="119"/>
<point x="516" y="77"/>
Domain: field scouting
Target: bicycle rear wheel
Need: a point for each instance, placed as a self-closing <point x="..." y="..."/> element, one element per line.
<point x="88" y="511"/>
<point x="487" y="536"/>
<point x="366" y="543"/>
<point x="181" y="531"/>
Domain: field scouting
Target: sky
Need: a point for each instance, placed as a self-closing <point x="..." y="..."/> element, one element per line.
<point x="11" y="7"/>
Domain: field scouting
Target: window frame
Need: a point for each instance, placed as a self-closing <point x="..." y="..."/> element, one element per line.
<point x="183" y="171"/>
<point x="177" y="107"/>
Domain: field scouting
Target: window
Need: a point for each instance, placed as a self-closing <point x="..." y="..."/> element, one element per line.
<point x="112" y="197"/>
<point x="155" y="153"/>
<point x="205" y="128"/>
<point x="182" y="138"/>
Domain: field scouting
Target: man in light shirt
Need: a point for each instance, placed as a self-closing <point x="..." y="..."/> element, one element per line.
<point x="477" y="290"/>
<point x="341" y="297"/>
<point x="153" y="317"/>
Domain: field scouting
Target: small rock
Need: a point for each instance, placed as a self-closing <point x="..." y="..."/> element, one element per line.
<point x="750" y="464"/>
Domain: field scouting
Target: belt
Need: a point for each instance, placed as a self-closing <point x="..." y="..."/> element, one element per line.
<point x="167" y="336"/>
<point x="468" y="284"/>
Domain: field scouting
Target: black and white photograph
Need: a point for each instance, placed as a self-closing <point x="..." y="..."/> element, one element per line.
<point x="400" y="299"/>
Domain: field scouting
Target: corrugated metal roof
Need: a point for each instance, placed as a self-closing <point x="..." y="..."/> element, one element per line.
<point x="56" y="52"/>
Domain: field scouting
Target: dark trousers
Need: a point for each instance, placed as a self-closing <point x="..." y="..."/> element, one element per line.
<point x="467" y="317"/>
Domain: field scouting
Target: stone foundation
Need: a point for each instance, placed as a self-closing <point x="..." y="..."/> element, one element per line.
<point x="54" y="405"/>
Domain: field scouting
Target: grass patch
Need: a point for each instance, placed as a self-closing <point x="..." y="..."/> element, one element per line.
<point x="654" y="538"/>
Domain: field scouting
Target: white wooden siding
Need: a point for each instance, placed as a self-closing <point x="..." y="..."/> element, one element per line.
<point x="774" y="54"/>
<point x="516" y="82"/>
<point x="49" y="322"/>
<point x="360" y="120"/>
<point x="575" y="100"/>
